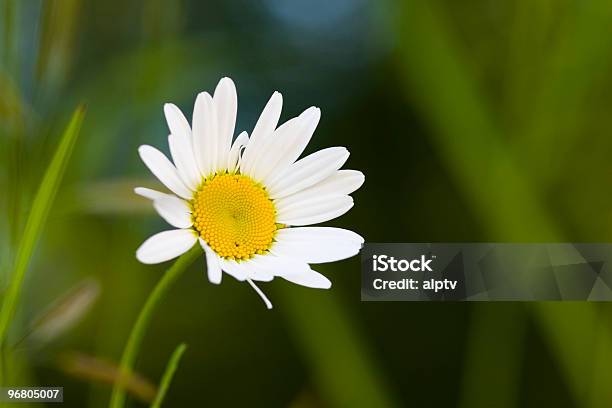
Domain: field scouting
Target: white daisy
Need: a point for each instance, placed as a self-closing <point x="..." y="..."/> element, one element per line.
<point x="248" y="203"/>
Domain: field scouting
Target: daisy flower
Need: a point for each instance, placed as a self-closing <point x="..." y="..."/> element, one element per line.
<point x="249" y="203"/>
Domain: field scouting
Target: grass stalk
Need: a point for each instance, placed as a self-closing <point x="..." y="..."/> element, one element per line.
<point x="175" y="358"/>
<point x="344" y="369"/>
<point x="38" y="214"/>
<point x="142" y="322"/>
<point x="474" y="146"/>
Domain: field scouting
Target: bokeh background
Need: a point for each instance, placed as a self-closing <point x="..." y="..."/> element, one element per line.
<point x="476" y="121"/>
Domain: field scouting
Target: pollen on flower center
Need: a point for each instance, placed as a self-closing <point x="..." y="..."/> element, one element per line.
<point x="235" y="216"/>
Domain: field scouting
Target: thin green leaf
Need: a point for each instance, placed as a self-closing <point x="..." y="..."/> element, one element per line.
<point x="142" y="322"/>
<point x="577" y="66"/>
<point x="489" y="324"/>
<point x="344" y="370"/>
<point x="580" y="338"/>
<point x="175" y="358"/>
<point x="472" y="142"/>
<point x="38" y="214"/>
<point x="464" y="129"/>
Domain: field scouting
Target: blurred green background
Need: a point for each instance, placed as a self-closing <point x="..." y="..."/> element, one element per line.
<point x="478" y="120"/>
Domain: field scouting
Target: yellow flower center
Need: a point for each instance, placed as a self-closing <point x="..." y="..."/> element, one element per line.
<point x="235" y="216"/>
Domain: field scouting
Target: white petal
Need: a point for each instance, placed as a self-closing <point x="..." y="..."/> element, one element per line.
<point x="213" y="269"/>
<point x="284" y="146"/>
<point x="165" y="245"/>
<point x="161" y="167"/>
<point x="291" y="269"/>
<point x="301" y="234"/>
<point x="263" y="129"/>
<point x="259" y="270"/>
<point x="296" y="140"/>
<point x="181" y="150"/>
<point x="269" y="117"/>
<point x="233" y="268"/>
<point x="226" y="105"/>
<point x="310" y="279"/>
<point x="278" y="266"/>
<point x="317" y="244"/>
<point x="272" y="149"/>
<point x="340" y="183"/>
<point x="234" y="156"/>
<point x="314" y="211"/>
<point x="308" y="171"/>
<point x="205" y="135"/>
<point x="177" y="123"/>
<point x="150" y="193"/>
<point x="174" y="210"/>
<point x="260" y="275"/>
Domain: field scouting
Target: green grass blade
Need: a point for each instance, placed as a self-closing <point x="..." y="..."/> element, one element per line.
<point x="142" y="322"/>
<point x="38" y="214"/>
<point x="344" y="370"/>
<point x="580" y="338"/>
<point x="489" y="324"/>
<point x="471" y="141"/>
<point x="577" y="66"/>
<point x="175" y="358"/>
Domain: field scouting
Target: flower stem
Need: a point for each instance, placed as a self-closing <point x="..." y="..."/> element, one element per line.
<point x="135" y="340"/>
